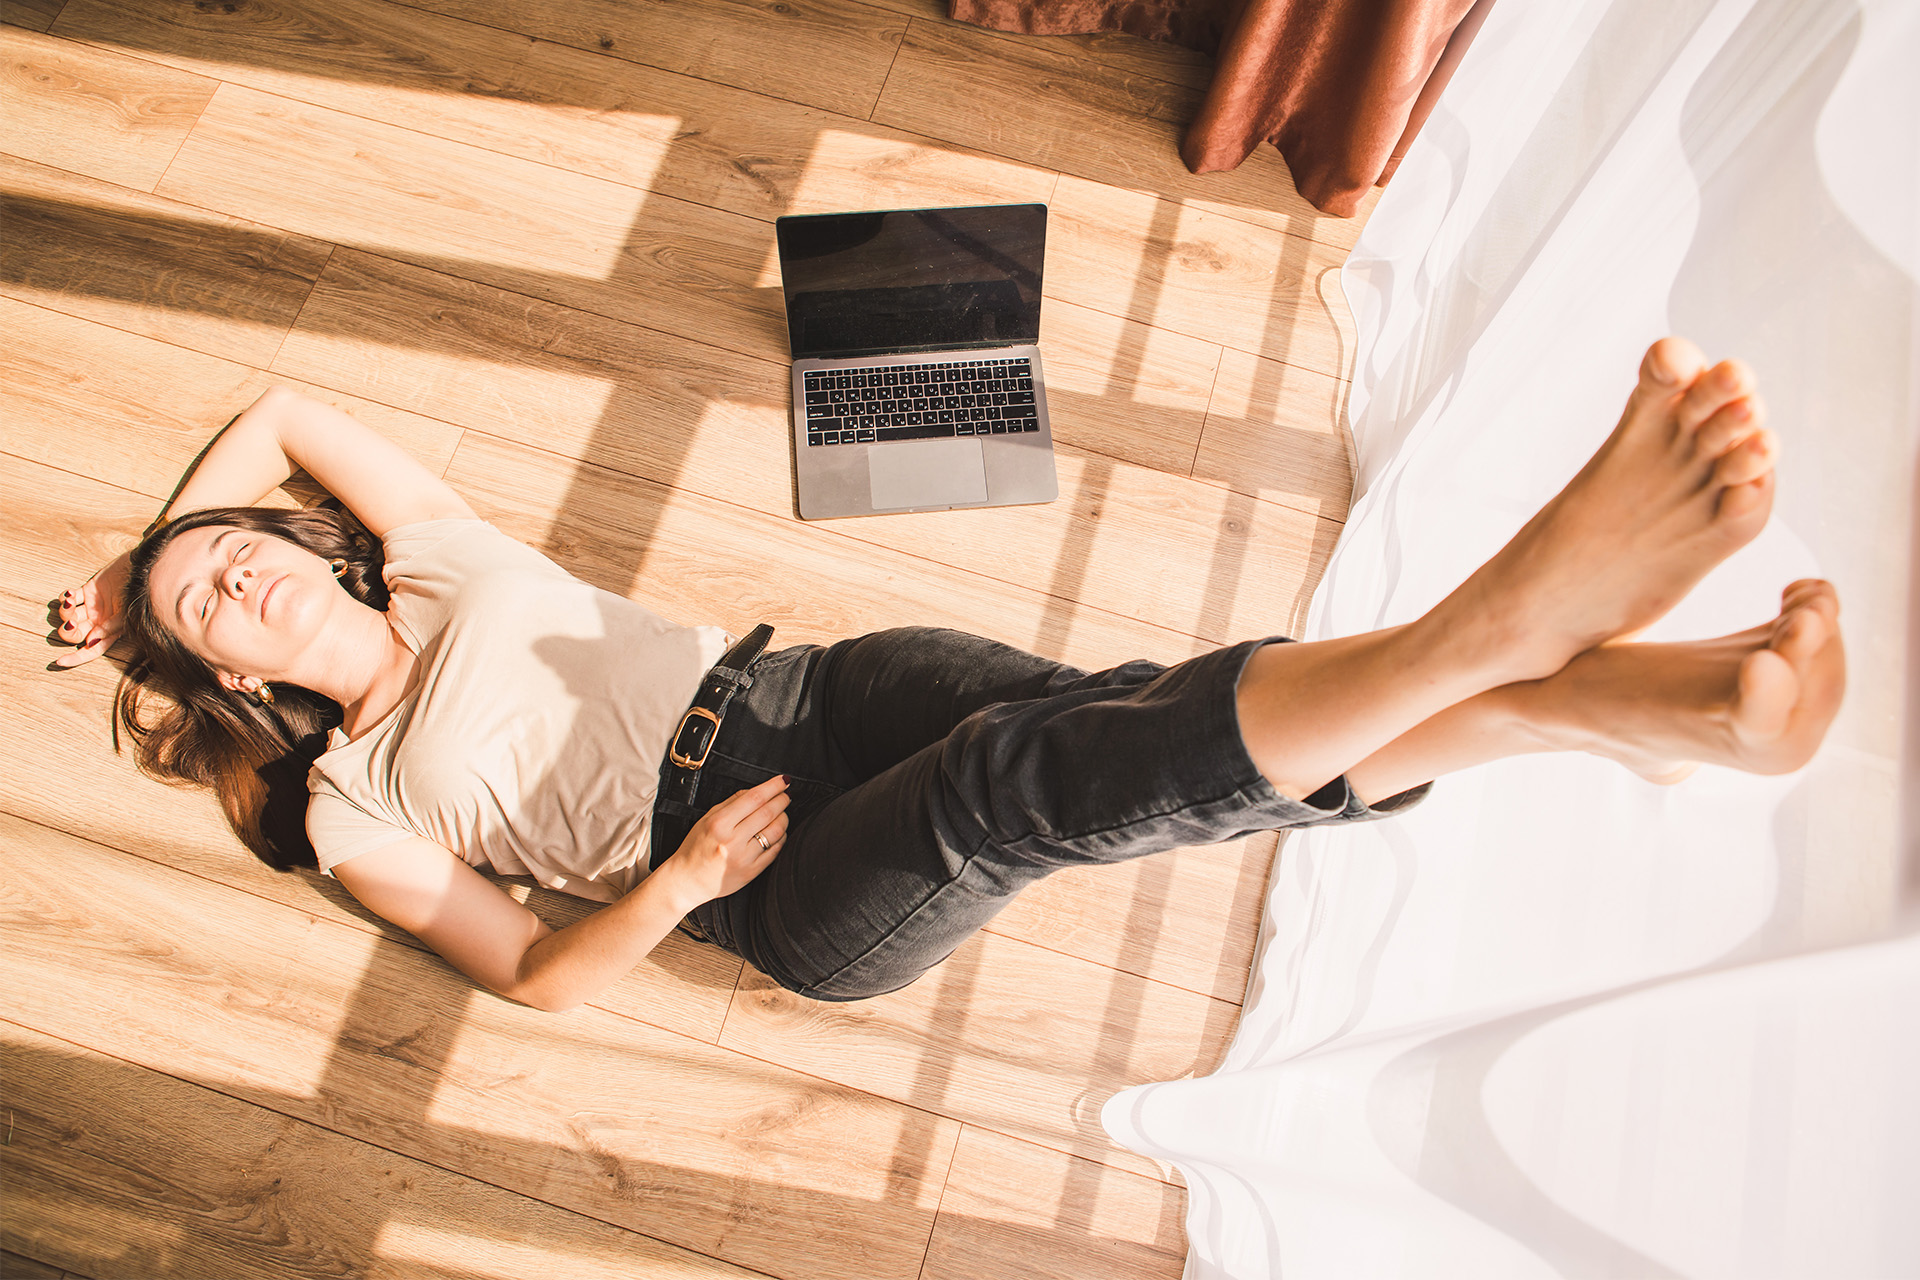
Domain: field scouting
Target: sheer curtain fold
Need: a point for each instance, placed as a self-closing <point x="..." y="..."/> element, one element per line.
<point x="1558" y="1021"/>
<point x="1340" y="87"/>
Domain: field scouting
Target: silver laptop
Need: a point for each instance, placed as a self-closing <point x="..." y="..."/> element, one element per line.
<point x="916" y="378"/>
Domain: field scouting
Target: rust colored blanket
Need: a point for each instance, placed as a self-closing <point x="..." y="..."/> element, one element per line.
<point x="1339" y="86"/>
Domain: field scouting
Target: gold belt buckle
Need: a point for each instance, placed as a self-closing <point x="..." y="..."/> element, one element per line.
<point x="673" y="748"/>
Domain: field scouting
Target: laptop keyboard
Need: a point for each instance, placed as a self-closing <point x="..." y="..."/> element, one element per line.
<point x="878" y="403"/>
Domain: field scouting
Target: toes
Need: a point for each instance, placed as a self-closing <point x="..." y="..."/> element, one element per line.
<point x="1728" y="425"/>
<point x="1747" y="462"/>
<point x="1670" y="364"/>
<point x="1812" y="593"/>
<point x="1799" y="635"/>
<point x="1725" y="382"/>
<point x="1741" y="503"/>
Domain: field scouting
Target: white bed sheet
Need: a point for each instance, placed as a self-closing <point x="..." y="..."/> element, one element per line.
<point x="1559" y="1021"/>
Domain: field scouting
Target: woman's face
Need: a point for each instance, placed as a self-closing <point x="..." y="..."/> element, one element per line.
<point x="249" y="604"/>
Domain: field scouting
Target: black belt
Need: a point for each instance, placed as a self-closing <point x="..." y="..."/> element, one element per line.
<point x="680" y="771"/>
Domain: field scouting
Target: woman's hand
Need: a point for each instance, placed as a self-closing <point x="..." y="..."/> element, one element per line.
<point x="90" y="615"/>
<point x="731" y="844"/>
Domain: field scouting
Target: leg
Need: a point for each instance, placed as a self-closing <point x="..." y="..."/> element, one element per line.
<point x="882" y="882"/>
<point x="1685" y="479"/>
<point x="1759" y="700"/>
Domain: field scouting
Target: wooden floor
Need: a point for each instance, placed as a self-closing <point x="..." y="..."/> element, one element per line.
<point x="531" y="240"/>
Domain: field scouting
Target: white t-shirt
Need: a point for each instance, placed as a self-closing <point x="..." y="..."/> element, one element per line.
<point x="531" y="740"/>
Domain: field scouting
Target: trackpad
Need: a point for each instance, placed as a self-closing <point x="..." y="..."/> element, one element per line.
<point x="926" y="473"/>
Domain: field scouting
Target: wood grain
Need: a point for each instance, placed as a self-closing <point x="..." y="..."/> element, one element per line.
<point x="529" y="228"/>
<point x="92" y="111"/>
<point x="581" y="109"/>
<point x="1199" y="273"/>
<point x="1033" y="100"/>
<point x="1186" y="918"/>
<point x="1015" y="1209"/>
<point x="593" y="1113"/>
<point x="18" y="1267"/>
<point x="984" y="1038"/>
<point x="151" y="266"/>
<point x="832" y="54"/>
<point x="1113" y="50"/>
<point x="1278" y="431"/>
<point x="34" y="15"/>
<point x="134" y="412"/>
<point x="196" y="1183"/>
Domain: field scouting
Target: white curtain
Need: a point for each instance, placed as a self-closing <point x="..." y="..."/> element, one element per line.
<point x="1558" y="1021"/>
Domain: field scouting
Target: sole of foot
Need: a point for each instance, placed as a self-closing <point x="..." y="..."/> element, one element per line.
<point x="1759" y="701"/>
<point x="1684" y="480"/>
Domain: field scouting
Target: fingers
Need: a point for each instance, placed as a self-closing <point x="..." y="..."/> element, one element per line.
<point x="93" y="648"/>
<point x="738" y="812"/>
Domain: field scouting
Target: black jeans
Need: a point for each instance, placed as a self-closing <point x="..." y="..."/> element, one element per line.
<point x="936" y="774"/>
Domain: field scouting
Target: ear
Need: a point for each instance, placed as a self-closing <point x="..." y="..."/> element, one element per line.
<point x="236" y="683"/>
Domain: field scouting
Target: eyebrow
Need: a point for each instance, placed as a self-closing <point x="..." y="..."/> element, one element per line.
<point x="211" y="547"/>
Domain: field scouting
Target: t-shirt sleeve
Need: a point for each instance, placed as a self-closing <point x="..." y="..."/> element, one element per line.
<point x="341" y="829"/>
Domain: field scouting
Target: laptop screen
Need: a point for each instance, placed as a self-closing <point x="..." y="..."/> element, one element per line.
<point x="860" y="284"/>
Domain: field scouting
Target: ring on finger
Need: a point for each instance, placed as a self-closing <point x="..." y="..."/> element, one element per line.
<point x="761" y="836"/>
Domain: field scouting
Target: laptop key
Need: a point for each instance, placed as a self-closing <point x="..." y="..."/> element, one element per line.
<point x="999" y="428"/>
<point x="866" y="435"/>
<point x="816" y="437"/>
<point x="925" y="431"/>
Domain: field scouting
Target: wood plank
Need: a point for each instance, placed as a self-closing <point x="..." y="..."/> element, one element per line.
<point x="1125" y="389"/>
<point x="1115" y="50"/>
<point x="118" y="1170"/>
<point x="34" y="15"/>
<point x="151" y="266"/>
<point x="1015" y="1209"/>
<point x="529" y="228"/>
<point x="755" y="155"/>
<point x="833" y="54"/>
<point x="1032" y="100"/>
<point x="58" y="767"/>
<point x="1183" y="268"/>
<point x="1003" y="1035"/>
<point x="92" y="111"/>
<point x="589" y="1112"/>
<point x="1121" y="540"/>
<point x="134" y="412"/>
<point x="18" y="1267"/>
<point x="699" y="560"/>
<point x="581" y="110"/>
<point x="1278" y="431"/>
<point x="1186" y="918"/>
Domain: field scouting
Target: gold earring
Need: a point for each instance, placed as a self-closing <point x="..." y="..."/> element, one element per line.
<point x="264" y="693"/>
<point x="339" y="566"/>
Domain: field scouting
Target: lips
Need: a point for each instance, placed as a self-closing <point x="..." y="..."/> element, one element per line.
<point x="268" y="590"/>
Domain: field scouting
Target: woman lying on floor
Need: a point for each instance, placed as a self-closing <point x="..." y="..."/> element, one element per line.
<point x="845" y="816"/>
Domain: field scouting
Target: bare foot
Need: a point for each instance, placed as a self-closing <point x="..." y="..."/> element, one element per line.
<point x="1758" y="701"/>
<point x="1685" y="479"/>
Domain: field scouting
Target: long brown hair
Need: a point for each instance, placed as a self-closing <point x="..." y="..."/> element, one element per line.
<point x="185" y="726"/>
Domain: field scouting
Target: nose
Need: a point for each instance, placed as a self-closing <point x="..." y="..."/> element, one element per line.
<point x="237" y="581"/>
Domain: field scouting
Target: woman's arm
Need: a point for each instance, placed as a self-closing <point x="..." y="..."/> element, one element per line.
<point x="504" y="947"/>
<point x="382" y="484"/>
